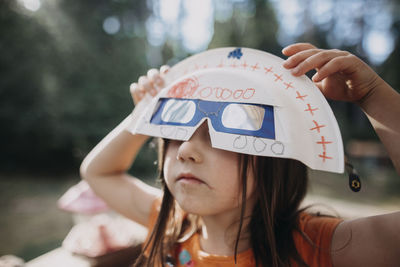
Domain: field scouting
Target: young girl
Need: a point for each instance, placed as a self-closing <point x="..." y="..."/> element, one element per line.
<point x="221" y="208"/>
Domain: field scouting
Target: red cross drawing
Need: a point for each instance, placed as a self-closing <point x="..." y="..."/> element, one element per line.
<point x="268" y="70"/>
<point x="255" y="67"/>
<point x="244" y="65"/>
<point x="233" y="65"/>
<point x="220" y="65"/>
<point x="323" y="142"/>
<point x="317" y="126"/>
<point x="311" y="109"/>
<point x="299" y="96"/>
<point x="278" y="77"/>
<point x="288" y="85"/>
<point x="324" y="156"/>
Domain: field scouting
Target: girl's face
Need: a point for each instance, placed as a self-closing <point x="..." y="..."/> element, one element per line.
<point x="204" y="180"/>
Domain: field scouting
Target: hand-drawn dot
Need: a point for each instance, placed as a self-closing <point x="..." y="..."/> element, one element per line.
<point x="237" y="53"/>
<point x="240" y="142"/>
<point x="181" y="134"/>
<point x="184" y="257"/>
<point x="167" y="131"/>
<point x="259" y="145"/>
<point x="277" y="148"/>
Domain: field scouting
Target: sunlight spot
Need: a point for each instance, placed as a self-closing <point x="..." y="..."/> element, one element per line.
<point x="379" y="45"/>
<point x="155" y="31"/>
<point x="111" y="25"/>
<point x="169" y="10"/>
<point x="32" y="5"/>
<point x="197" y="27"/>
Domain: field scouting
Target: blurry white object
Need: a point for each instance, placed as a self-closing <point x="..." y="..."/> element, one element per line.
<point x="103" y="234"/>
<point x="81" y="199"/>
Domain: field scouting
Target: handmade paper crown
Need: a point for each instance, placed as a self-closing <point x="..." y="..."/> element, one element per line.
<point x="252" y="105"/>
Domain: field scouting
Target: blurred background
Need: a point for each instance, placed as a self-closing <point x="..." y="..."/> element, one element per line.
<point x="66" y="67"/>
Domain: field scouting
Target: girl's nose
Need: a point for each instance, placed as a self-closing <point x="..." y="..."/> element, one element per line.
<point x="194" y="149"/>
<point x="188" y="152"/>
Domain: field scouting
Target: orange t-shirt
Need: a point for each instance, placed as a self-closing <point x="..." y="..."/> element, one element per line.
<point x="317" y="254"/>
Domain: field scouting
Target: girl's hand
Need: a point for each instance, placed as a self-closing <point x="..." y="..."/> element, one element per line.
<point x="150" y="84"/>
<point x="340" y="75"/>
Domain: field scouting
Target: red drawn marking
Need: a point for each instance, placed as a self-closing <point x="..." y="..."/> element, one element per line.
<point x="323" y="142"/>
<point x="219" y="93"/>
<point x="299" y="96"/>
<point x="249" y="93"/>
<point x="324" y="156"/>
<point x="278" y="77"/>
<point x="205" y="66"/>
<point x="244" y="65"/>
<point x="311" y="109"/>
<point x="221" y="64"/>
<point x="185" y="88"/>
<point x="288" y="85"/>
<point x="233" y="65"/>
<point x="237" y="94"/>
<point x="226" y="93"/>
<point x="206" y="92"/>
<point x="223" y="93"/>
<point x="317" y="126"/>
<point x="255" y="67"/>
<point x="268" y="70"/>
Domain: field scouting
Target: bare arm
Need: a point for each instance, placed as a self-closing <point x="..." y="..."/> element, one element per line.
<point x="382" y="107"/>
<point x="370" y="241"/>
<point x="105" y="167"/>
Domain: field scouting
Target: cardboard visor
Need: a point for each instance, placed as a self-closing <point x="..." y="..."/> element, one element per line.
<point x="252" y="105"/>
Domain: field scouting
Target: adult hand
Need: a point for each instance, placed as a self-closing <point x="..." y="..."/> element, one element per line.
<point x="340" y="75"/>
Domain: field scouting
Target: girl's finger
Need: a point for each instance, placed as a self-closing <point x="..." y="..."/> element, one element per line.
<point x="136" y="93"/>
<point x="295" y="48"/>
<point x="155" y="79"/>
<point x="164" y="70"/>
<point x="145" y="83"/>
<point x="317" y="60"/>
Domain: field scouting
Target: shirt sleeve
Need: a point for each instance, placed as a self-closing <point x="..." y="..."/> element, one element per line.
<point x="314" y="241"/>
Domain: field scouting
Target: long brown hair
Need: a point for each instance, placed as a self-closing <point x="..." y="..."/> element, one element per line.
<point x="281" y="185"/>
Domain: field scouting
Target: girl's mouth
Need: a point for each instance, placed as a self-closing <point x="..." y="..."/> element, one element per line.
<point x="188" y="178"/>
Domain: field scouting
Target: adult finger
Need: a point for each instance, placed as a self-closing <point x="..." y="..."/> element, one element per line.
<point x="306" y="62"/>
<point x="338" y="64"/>
<point x="297" y="58"/>
<point x="295" y="48"/>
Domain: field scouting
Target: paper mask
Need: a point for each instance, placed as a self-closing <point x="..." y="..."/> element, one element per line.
<point x="252" y="105"/>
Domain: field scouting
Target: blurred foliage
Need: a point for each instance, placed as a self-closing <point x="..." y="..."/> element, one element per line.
<point x="64" y="80"/>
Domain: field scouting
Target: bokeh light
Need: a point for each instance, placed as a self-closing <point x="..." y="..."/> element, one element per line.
<point x="111" y="25"/>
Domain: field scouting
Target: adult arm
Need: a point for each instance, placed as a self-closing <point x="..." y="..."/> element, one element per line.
<point x="370" y="241"/>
